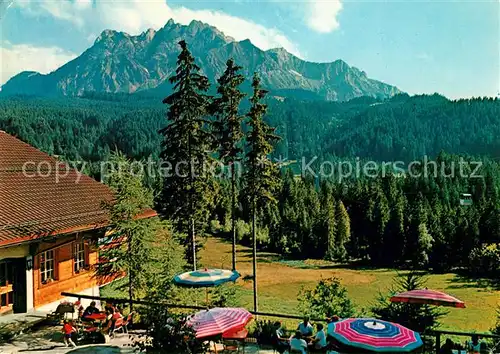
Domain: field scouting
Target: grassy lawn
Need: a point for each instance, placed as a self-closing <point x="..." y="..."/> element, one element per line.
<point x="279" y="282"/>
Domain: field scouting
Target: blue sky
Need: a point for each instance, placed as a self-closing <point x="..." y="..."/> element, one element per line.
<point x="450" y="47"/>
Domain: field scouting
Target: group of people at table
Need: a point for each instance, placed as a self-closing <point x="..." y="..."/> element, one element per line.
<point x="303" y="341"/>
<point x="92" y="316"/>
<point x="472" y="346"/>
<point x="109" y="316"/>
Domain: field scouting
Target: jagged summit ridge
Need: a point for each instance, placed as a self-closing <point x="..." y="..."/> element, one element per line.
<point x="119" y="62"/>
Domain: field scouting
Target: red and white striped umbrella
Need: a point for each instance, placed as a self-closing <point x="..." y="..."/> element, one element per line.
<point x="209" y="323"/>
<point x="429" y="297"/>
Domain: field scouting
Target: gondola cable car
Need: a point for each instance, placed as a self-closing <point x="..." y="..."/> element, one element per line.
<point x="465" y="199"/>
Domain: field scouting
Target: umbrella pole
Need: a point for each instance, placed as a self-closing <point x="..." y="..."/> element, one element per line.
<point x="206" y="291"/>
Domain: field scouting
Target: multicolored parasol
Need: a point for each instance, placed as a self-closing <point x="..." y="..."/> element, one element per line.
<point x="206" y="278"/>
<point x="375" y="335"/>
<point x="216" y="321"/>
<point x="430" y="297"/>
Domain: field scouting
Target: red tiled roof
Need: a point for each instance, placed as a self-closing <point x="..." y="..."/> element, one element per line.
<point x="40" y="197"/>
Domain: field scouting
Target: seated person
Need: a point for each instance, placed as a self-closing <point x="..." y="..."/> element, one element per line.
<point x="331" y="326"/>
<point x="297" y="344"/>
<point x="90" y="310"/>
<point x="170" y="326"/>
<point x="305" y="328"/>
<point x="109" y="321"/>
<point x="279" y="341"/>
<point x="109" y="307"/>
<point x="319" y="340"/>
<point x="117" y="314"/>
<point x="112" y="322"/>
<point x="484" y="348"/>
<point x="447" y="347"/>
<point x="474" y="345"/>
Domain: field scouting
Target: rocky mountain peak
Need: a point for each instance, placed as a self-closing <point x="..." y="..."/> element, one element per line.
<point x="106" y="35"/>
<point x="149" y="34"/>
<point x="118" y="62"/>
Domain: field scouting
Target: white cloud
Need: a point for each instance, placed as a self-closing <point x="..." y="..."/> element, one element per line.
<point x="135" y="16"/>
<point x="22" y="57"/>
<point x="83" y="4"/>
<point x="60" y="9"/>
<point x="322" y="15"/>
<point x="238" y="28"/>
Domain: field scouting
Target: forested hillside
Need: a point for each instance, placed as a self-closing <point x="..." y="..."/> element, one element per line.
<point x="419" y="220"/>
<point x="402" y="128"/>
<point x="407" y="128"/>
<point x="411" y="221"/>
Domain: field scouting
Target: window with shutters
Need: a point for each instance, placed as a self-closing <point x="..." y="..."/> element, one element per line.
<point x="47" y="265"/>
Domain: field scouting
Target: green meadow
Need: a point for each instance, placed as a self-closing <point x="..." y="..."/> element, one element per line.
<point x="280" y="281"/>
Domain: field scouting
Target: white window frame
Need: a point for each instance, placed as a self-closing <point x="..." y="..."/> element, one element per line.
<point x="79" y="256"/>
<point x="47" y="273"/>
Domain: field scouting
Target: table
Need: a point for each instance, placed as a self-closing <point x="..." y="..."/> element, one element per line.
<point x="96" y="317"/>
<point x="238" y="336"/>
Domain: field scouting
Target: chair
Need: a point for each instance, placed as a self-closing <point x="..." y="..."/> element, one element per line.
<point x="60" y="312"/>
<point x="118" y="327"/>
<point x="231" y="346"/>
<point x="214" y="347"/>
<point x="280" y="347"/>
<point x="92" y="334"/>
<point x="128" y="321"/>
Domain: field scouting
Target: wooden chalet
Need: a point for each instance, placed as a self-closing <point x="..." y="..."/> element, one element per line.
<point x="50" y="222"/>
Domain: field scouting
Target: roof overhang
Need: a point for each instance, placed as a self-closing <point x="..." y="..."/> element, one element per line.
<point x="150" y="213"/>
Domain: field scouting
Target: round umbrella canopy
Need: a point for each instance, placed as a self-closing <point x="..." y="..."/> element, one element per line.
<point x="430" y="297"/>
<point x="217" y="321"/>
<point x="206" y="278"/>
<point x="375" y="335"/>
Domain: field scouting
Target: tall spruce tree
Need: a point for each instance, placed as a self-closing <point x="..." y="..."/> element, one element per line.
<point x="261" y="175"/>
<point x="329" y="223"/>
<point x="417" y="317"/>
<point x="343" y="231"/>
<point x="229" y="135"/>
<point x="187" y="194"/>
<point x="128" y="243"/>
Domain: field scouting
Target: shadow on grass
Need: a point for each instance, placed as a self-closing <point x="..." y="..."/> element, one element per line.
<point x="355" y="265"/>
<point x="104" y="349"/>
<point x="466" y="281"/>
<point x="263" y="257"/>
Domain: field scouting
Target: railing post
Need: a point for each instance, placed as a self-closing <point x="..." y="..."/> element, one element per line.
<point x="438" y="342"/>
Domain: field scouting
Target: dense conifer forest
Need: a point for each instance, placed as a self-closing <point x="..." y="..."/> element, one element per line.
<point x="402" y="128"/>
<point x="396" y="219"/>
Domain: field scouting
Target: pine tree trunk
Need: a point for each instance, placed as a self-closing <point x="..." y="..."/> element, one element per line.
<point x="193" y="241"/>
<point x="233" y="213"/>
<point x="130" y="275"/>
<point x="191" y="232"/>
<point x="254" y="234"/>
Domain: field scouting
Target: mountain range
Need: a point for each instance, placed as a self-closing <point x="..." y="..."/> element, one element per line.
<point x="120" y="63"/>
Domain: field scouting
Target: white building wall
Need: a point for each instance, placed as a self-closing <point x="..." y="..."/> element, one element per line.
<point x="94" y="291"/>
<point x="29" y="285"/>
<point x="14" y="252"/>
<point x="21" y="251"/>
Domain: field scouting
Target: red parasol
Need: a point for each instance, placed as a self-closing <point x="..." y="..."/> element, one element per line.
<point x="429" y="297"/>
<point x="217" y="321"/>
